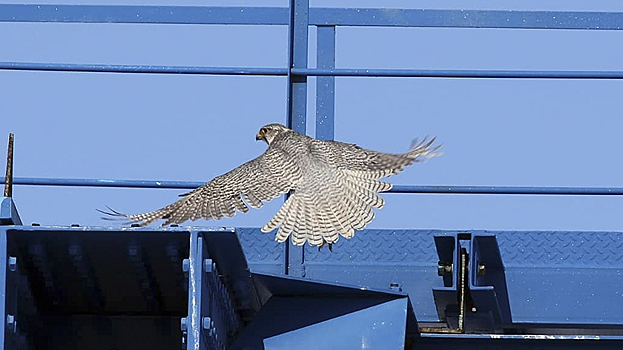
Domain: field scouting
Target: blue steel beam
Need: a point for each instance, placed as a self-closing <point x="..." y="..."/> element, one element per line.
<point x="297" y="50"/>
<point x="120" y="183"/>
<point x="143" y="14"/>
<point x="325" y="86"/>
<point x="468" y="18"/>
<point x="317" y="16"/>
<point x="297" y="103"/>
<point x="554" y="279"/>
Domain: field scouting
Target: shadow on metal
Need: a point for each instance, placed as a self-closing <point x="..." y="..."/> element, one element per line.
<point x="305" y="314"/>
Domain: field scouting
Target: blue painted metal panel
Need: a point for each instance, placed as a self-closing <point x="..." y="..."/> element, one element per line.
<point x="8" y="212"/>
<point x="552" y="277"/>
<point x="564" y="277"/>
<point x="318" y="16"/>
<point x="300" y="313"/>
<point x="556" y="191"/>
<point x="382" y="258"/>
<point x="487" y="282"/>
<point x="325" y="86"/>
<point x="380" y="326"/>
<point x="76" y="286"/>
<point x="512" y="341"/>
<point x="6" y="307"/>
<point x="263" y="253"/>
<point x="555" y="280"/>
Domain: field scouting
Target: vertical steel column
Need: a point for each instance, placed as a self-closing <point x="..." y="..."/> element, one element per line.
<point x="297" y="84"/>
<point x="297" y="102"/>
<point x="325" y="86"/>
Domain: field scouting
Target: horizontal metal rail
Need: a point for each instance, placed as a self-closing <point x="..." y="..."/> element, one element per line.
<point x="317" y="16"/>
<point x="339" y="72"/>
<point x="524" y="190"/>
<point x="106" y="68"/>
<point x="449" y="73"/>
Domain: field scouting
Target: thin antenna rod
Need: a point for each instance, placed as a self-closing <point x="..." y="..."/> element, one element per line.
<point x="8" y="179"/>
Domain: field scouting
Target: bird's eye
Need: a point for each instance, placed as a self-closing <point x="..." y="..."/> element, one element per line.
<point x="263" y="130"/>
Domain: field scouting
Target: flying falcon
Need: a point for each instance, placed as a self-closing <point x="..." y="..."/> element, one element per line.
<point x="333" y="187"/>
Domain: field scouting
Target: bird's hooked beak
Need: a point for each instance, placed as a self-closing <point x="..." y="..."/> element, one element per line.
<point x="260" y="135"/>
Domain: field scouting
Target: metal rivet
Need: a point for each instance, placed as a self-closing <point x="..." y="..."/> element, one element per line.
<point x="482" y="269"/>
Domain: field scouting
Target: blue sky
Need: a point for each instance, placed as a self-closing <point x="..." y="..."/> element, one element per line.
<point x="166" y="127"/>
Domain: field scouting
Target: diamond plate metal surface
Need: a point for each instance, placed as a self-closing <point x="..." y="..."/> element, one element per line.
<point x="555" y="248"/>
<point x="369" y="246"/>
<point x="263" y="253"/>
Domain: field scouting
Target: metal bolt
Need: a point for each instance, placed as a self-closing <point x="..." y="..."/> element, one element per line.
<point x="207" y="322"/>
<point x="183" y="324"/>
<point x="395" y="286"/>
<point x="185" y="265"/>
<point x="184" y="342"/>
<point x="444" y="268"/>
<point x="12" y="263"/>
<point x="11" y="323"/>
<point x="75" y="225"/>
<point x="481" y="269"/>
<point x="209" y="265"/>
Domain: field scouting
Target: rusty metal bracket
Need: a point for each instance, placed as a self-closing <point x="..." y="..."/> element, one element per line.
<point x="8" y="211"/>
<point x="8" y="179"/>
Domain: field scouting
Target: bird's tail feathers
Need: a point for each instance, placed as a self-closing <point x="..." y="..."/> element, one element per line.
<point x="423" y="150"/>
<point x="138" y="219"/>
<point x="112" y="215"/>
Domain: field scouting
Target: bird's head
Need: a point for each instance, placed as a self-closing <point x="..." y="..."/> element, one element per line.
<point x="270" y="131"/>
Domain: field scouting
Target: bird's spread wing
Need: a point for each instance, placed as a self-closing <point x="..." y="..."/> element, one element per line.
<point x="372" y="163"/>
<point x="338" y="190"/>
<point x="257" y="181"/>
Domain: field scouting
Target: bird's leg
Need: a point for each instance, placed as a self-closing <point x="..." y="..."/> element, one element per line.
<point x="323" y="243"/>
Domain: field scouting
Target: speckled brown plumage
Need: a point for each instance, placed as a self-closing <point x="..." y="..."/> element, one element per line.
<point x="333" y="187"/>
